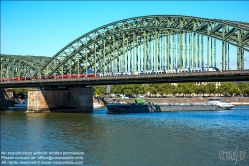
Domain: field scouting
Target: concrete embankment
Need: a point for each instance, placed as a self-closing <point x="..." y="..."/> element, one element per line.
<point x="233" y="100"/>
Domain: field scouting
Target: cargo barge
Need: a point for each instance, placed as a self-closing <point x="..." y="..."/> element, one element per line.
<point x="140" y="106"/>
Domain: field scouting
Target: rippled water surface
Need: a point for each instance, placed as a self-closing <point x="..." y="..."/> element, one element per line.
<point x="166" y="138"/>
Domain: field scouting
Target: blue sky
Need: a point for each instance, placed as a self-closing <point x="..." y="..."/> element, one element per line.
<point x="43" y="28"/>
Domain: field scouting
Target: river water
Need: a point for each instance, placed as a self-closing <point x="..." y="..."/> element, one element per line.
<point x="153" y="139"/>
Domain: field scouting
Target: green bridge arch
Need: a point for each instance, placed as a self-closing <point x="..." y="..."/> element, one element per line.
<point x="107" y="44"/>
<point x="20" y="65"/>
<point x="149" y="43"/>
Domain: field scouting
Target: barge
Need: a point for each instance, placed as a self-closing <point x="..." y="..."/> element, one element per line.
<point x="140" y="106"/>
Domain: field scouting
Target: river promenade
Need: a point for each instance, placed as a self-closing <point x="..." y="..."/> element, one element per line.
<point x="200" y="100"/>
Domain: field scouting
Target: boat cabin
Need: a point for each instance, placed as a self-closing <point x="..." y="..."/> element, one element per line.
<point x="213" y="100"/>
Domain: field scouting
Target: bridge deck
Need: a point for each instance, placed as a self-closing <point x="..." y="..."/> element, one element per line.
<point x="232" y="75"/>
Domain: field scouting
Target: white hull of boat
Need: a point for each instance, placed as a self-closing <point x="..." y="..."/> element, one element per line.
<point x="96" y="105"/>
<point x="226" y="107"/>
<point x="221" y="105"/>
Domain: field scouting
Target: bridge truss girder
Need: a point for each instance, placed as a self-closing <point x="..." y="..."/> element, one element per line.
<point x="100" y="47"/>
<point x="137" y="43"/>
<point x="13" y="66"/>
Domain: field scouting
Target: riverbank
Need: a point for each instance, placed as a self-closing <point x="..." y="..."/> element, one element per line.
<point x="200" y="100"/>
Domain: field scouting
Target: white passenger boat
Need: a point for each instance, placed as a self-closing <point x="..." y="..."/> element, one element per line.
<point x="221" y="105"/>
<point x="96" y="105"/>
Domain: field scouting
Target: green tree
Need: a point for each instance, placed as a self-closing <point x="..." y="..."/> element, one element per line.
<point x="161" y="89"/>
<point x="128" y="89"/>
<point x="247" y="90"/>
<point x="174" y="90"/>
<point x="243" y="88"/>
<point x="116" y="89"/>
<point x="19" y="92"/>
<point x="210" y="88"/>
<point x="169" y="88"/>
<point x="98" y="89"/>
<point x="180" y="88"/>
<point x="202" y="89"/>
<point x="199" y="89"/>
<point x="153" y="89"/>
<point x="189" y="88"/>
<point x="165" y="88"/>
<point x="228" y="88"/>
<point x="137" y="89"/>
<point x="234" y="90"/>
<point x="143" y="89"/>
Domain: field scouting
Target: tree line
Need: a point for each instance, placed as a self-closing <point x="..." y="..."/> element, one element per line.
<point x="19" y="92"/>
<point x="181" y="89"/>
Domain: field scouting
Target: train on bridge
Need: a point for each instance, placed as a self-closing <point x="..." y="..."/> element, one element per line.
<point x="148" y="72"/>
<point x="58" y="76"/>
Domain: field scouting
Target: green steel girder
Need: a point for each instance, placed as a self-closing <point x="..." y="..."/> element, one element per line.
<point x="109" y="44"/>
<point x="88" y="50"/>
<point x="21" y="66"/>
<point x="118" y="37"/>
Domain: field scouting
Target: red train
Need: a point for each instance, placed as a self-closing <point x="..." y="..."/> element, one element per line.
<point x="58" y="76"/>
<point x="76" y="76"/>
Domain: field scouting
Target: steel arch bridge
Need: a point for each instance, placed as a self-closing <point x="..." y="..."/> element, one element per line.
<point x="158" y="42"/>
<point x="21" y="66"/>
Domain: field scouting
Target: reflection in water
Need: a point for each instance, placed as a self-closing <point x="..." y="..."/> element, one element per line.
<point x="171" y="138"/>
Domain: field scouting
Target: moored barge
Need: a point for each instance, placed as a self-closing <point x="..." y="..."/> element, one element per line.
<point x="140" y="106"/>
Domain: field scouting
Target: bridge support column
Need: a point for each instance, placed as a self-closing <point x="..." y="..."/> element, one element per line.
<point x="60" y="100"/>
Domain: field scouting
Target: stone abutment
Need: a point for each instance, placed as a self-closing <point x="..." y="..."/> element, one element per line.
<point x="60" y="100"/>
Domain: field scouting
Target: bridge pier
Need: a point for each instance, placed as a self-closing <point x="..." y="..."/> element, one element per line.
<point x="60" y="100"/>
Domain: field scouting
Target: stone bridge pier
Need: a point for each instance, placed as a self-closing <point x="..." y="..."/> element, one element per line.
<point x="60" y="100"/>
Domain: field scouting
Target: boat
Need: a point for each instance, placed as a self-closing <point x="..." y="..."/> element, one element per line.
<point x="96" y="105"/>
<point x="141" y="106"/>
<point x="19" y="105"/>
<point x="221" y="105"/>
